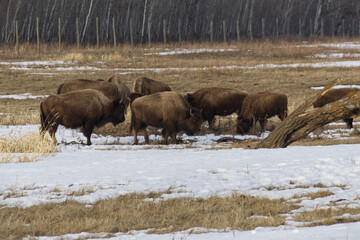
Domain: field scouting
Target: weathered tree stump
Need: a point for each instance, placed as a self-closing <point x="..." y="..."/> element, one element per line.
<point x="306" y="119"/>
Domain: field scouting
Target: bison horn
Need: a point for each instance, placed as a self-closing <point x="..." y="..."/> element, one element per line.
<point x="191" y="112"/>
<point x="120" y="101"/>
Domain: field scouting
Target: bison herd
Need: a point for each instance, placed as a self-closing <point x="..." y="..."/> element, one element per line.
<point x="87" y="104"/>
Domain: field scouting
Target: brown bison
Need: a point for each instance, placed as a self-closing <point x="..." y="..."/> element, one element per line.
<point x="112" y="88"/>
<point x="333" y="95"/>
<point x="147" y="86"/>
<point x="83" y="108"/>
<point x="167" y="110"/>
<point x="216" y="101"/>
<point x="260" y="106"/>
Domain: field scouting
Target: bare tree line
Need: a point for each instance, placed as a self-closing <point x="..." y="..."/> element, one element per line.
<point x="186" y="20"/>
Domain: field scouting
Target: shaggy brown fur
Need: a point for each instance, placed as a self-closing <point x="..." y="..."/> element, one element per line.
<point x="83" y="108"/>
<point x="332" y="96"/>
<point x="168" y="110"/>
<point x="148" y="86"/>
<point x="216" y="101"/>
<point x="112" y="88"/>
<point x="260" y="106"/>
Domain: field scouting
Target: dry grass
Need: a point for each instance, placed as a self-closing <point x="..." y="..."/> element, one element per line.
<point x="328" y="216"/>
<point x="20" y="118"/>
<point x="314" y="195"/>
<point x="142" y="212"/>
<point x="24" y="147"/>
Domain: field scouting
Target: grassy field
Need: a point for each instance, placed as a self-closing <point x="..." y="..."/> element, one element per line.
<point x="184" y="73"/>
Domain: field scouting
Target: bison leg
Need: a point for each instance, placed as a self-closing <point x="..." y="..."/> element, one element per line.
<point x="145" y="135"/>
<point x="166" y="136"/>
<point x="252" y="125"/>
<point x="135" y="136"/>
<point x="211" y="121"/>
<point x="173" y="137"/>
<point x="52" y="130"/>
<point x="42" y="132"/>
<point x="262" y="122"/>
<point x="349" y="122"/>
<point x="87" y="131"/>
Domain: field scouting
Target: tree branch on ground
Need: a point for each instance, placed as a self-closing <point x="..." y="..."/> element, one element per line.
<point x="305" y="119"/>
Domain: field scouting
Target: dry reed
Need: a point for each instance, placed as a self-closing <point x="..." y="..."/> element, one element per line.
<point x="24" y="147"/>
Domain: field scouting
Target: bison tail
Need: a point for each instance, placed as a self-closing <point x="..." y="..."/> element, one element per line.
<point x="59" y="89"/>
<point x="43" y="118"/>
<point x="134" y="96"/>
<point x="131" y="121"/>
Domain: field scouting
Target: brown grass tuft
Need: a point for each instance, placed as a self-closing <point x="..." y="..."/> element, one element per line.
<point x="328" y="216"/>
<point x="314" y="195"/>
<point x="27" y="147"/>
<point x="142" y="212"/>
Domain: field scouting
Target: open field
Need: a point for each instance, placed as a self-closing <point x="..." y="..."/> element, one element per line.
<point x="245" y="66"/>
<point x="210" y="184"/>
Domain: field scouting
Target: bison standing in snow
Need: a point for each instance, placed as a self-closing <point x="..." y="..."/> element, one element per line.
<point x="333" y="95"/>
<point x="112" y="88"/>
<point x="216" y="101"/>
<point x="147" y="86"/>
<point x="260" y="106"/>
<point x="83" y="108"/>
<point x="167" y="110"/>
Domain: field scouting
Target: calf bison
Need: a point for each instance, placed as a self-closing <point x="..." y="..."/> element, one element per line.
<point x="260" y="106"/>
<point x="83" y="108"/>
<point x="147" y="86"/>
<point x="112" y="88"/>
<point x="167" y="110"/>
<point x="333" y="95"/>
<point x="216" y="101"/>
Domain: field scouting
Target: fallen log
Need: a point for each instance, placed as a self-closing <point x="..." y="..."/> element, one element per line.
<point x="306" y="118"/>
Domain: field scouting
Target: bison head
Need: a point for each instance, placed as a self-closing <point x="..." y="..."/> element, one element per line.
<point x="243" y="126"/>
<point x="193" y="122"/>
<point x="118" y="111"/>
<point x="190" y="99"/>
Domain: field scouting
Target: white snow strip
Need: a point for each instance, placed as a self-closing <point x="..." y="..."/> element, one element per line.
<point x="38" y="63"/>
<point x="22" y="96"/>
<point x="344" y="45"/>
<point x="337" y="55"/>
<point x="190" y="51"/>
<point x="336" y="86"/>
<point x="348" y="231"/>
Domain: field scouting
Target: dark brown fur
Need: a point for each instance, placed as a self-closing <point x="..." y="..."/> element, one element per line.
<point x="168" y="110"/>
<point x="260" y="106"/>
<point x="112" y="88"/>
<point x="83" y="108"/>
<point x="149" y="86"/>
<point x="333" y="95"/>
<point x="216" y="101"/>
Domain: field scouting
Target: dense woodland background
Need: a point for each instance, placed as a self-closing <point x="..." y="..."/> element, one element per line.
<point x="191" y="20"/>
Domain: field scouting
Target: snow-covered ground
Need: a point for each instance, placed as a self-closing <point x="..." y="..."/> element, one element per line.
<point x="113" y="166"/>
